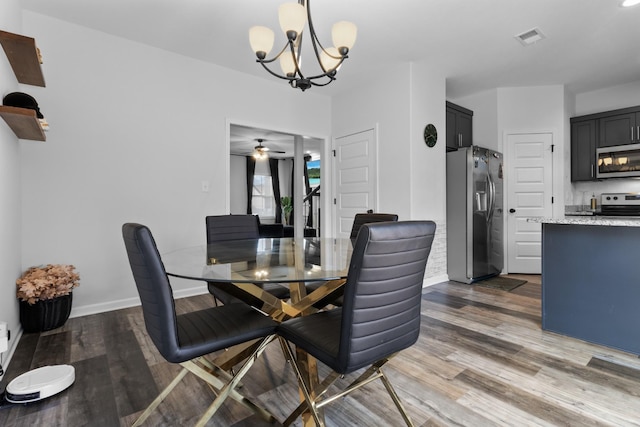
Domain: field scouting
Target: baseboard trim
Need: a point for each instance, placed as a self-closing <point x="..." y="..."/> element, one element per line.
<point x="430" y="281"/>
<point x="89" y="309"/>
<point x="15" y="338"/>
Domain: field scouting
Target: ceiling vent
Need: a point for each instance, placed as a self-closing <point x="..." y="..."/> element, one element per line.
<point x="530" y="37"/>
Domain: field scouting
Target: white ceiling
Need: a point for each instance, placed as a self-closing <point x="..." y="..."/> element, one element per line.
<point x="590" y="44"/>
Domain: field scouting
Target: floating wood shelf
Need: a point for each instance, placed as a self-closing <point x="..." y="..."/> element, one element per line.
<point x="24" y="58"/>
<point x="23" y="122"/>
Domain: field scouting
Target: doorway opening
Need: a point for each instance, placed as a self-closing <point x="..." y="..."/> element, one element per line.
<point x="262" y="174"/>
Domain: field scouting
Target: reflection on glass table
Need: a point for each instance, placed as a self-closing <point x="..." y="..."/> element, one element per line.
<point x="240" y="267"/>
<point x="275" y="260"/>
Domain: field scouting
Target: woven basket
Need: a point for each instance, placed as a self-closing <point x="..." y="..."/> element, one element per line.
<point x="46" y="314"/>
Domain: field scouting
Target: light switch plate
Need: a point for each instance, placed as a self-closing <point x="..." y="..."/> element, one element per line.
<point x="4" y="337"/>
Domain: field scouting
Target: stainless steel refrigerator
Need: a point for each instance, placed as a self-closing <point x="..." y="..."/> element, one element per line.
<point x="475" y="245"/>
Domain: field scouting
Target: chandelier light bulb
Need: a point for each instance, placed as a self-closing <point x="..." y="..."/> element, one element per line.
<point x="330" y="59"/>
<point x="261" y="40"/>
<point x="344" y="34"/>
<point x="287" y="64"/>
<point x="629" y="3"/>
<point x="292" y="17"/>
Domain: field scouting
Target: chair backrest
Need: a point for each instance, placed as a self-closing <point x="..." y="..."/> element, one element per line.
<point x="153" y="285"/>
<point x="231" y="227"/>
<point x="383" y="292"/>
<point x="368" y="218"/>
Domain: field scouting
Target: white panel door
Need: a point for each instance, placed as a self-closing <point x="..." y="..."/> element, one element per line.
<point x="529" y="180"/>
<point x="355" y="178"/>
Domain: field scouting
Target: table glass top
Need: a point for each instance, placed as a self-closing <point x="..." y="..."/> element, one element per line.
<point x="276" y="260"/>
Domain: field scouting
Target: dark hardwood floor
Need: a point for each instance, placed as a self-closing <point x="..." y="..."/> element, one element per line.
<point x="481" y="360"/>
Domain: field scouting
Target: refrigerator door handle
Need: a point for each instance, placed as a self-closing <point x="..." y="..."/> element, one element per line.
<point x="492" y="198"/>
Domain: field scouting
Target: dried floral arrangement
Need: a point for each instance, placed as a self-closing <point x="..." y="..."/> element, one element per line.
<point x="47" y="282"/>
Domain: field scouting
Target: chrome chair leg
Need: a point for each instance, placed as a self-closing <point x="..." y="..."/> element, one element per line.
<point x="396" y="399"/>
<point x="228" y="389"/>
<point x="305" y="391"/>
<point x="373" y="373"/>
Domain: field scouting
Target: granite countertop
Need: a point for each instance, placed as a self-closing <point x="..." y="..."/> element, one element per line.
<point x="590" y="220"/>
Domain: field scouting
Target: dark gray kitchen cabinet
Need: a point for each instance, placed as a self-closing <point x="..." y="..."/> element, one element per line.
<point x="606" y="129"/>
<point x="459" y="126"/>
<point x="619" y="129"/>
<point x="583" y="149"/>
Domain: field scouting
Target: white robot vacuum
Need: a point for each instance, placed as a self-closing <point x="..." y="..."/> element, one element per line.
<point x="40" y="383"/>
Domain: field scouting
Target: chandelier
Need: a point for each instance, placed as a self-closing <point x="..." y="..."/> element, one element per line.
<point x="292" y="17"/>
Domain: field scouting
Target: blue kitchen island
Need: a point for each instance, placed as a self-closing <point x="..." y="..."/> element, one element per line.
<point x="591" y="279"/>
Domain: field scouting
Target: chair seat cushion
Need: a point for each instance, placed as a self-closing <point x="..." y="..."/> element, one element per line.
<point x="319" y="334"/>
<point x="205" y="331"/>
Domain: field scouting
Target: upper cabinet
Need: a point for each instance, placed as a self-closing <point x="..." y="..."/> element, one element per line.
<point x="459" y="127"/>
<point x="583" y="149"/>
<point x="25" y="61"/>
<point x="619" y="129"/>
<point x="606" y="129"/>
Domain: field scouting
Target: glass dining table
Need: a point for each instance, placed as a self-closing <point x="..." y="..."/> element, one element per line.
<point x="241" y="267"/>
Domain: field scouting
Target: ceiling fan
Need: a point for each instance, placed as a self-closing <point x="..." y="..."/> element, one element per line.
<point x="260" y="151"/>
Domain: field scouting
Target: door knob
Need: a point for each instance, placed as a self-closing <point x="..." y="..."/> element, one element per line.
<point x="512" y="210"/>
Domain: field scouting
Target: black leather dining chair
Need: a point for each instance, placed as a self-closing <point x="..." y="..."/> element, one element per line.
<point x="368" y="218"/>
<point x="236" y="227"/>
<point x="187" y="338"/>
<point x="380" y="315"/>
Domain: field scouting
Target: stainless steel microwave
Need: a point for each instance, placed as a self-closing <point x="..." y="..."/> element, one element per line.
<point x="618" y="161"/>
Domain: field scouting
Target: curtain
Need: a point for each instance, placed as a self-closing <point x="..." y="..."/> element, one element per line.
<point x="251" y="170"/>
<point x="275" y="183"/>
<point x="308" y="191"/>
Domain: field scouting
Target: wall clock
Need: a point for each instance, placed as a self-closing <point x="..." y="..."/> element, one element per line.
<point x="430" y="135"/>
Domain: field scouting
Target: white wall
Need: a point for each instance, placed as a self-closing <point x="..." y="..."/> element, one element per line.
<point x="427" y="165"/>
<point x="238" y="185"/>
<point x="385" y="103"/>
<point x="10" y="244"/>
<point x="427" y="181"/>
<point x="532" y="109"/>
<point x="611" y="98"/>
<point x="410" y="175"/>
<point x="485" y="117"/>
<point x="134" y="132"/>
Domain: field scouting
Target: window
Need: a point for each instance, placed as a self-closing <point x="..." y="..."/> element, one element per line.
<point x="313" y="169"/>
<point x="262" y="202"/>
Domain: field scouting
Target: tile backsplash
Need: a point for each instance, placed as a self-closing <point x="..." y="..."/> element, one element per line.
<point x="575" y="193"/>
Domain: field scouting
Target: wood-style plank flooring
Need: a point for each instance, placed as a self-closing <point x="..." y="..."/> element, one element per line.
<point x="481" y="360"/>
